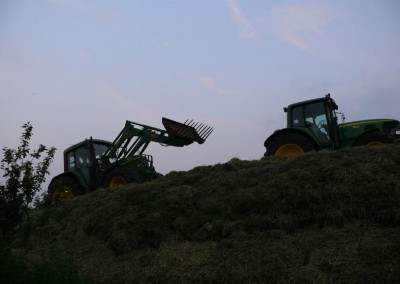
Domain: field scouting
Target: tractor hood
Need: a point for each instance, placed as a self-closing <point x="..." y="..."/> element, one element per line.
<point x="351" y="131"/>
<point x="372" y="123"/>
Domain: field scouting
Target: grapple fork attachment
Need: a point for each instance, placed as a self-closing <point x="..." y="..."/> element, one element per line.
<point x="190" y="130"/>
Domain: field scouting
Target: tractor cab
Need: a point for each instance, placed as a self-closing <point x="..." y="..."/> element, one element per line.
<point x="82" y="160"/>
<point x="316" y="117"/>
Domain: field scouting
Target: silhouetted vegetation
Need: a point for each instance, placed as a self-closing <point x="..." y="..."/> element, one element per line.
<point x="24" y="171"/>
<point x="327" y="217"/>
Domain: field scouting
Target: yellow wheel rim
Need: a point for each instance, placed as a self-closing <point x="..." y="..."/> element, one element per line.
<point x="61" y="193"/>
<point x="289" y="150"/>
<point x="375" y="143"/>
<point x="117" y="182"/>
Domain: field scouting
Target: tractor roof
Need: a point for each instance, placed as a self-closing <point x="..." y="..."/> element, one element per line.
<point x="306" y="102"/>
<point x="85" y="142"/>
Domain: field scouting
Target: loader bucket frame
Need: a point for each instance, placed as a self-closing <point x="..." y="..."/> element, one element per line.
<point x="190" y="130"/>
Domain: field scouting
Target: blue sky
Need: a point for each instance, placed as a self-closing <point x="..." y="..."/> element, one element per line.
<point x="80" y="68"/>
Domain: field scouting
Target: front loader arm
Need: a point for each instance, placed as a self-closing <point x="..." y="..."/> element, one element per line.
<point x="134" y="137"/>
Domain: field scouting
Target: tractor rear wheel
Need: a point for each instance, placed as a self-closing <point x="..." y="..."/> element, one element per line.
<point x="119" y="177"/>
<point x="289" y="145"/>
<point x="371" y="139"/>
<point x="64" y="187"/>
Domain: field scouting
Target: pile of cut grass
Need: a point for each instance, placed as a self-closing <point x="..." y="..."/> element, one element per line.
<point x="322" y="217"/>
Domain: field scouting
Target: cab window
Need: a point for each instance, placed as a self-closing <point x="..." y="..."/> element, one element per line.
<point x="100" y="149"/>
<point x="82" y="156"/>
<point x="297" y="117"/>
<point x="312" y="116"/>
<point x="315" y="113"/>
<point x="71" y="161"/>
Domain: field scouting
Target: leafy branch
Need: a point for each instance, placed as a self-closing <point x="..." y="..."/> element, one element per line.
<point x="25" y="171"/>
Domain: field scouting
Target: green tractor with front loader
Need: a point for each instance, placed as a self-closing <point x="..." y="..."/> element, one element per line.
<point x="95" y="163"/>
<point x="312" y="125"/>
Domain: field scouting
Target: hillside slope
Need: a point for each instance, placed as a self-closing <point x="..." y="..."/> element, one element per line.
<point x="327" y="217"/>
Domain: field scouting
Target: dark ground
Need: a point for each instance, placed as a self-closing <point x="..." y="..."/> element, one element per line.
<point x="327" y="217"/>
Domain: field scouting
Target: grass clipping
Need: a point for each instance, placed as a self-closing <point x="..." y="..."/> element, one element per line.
<point x="327" y="217"/>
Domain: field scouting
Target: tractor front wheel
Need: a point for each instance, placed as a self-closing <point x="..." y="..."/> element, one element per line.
<point x="289" y="145"/>
<point x="371" y="139"/>
<point x="64" y="187"/>
<point x="119" y="177"/>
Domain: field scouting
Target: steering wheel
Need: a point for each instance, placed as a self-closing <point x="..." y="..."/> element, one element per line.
<point x="321" y="124"/>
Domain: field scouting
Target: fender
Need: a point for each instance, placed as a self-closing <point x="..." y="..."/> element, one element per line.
<point x="299" y="130"/>
<point x="75" y="175"/>
<point x="377" y="130"/>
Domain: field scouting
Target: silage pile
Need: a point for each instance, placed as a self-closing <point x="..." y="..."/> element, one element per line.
<point x="322" y="217"/>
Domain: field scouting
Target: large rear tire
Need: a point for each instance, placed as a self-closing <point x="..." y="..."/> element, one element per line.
<point x="119" y="177"/>
<point x="372" y="139"/>
<point x="64" y="187"/>
<point x="289" y="145"/>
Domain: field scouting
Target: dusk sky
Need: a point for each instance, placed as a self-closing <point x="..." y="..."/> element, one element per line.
<point x="80" y="68"/>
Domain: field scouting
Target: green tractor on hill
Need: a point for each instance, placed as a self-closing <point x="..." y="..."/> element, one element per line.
<point x="312" y="126"/>
<point x="95" y="163"/>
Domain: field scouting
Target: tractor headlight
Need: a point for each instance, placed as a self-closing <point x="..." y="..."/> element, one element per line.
<point x="391" y="128"/>
<point x="397" y="130"/>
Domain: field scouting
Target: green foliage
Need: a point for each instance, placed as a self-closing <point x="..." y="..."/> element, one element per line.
<point x="24" y="171"/>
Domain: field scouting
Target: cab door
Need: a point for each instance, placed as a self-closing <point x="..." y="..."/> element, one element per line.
<point x="79" y="161"/>
<point x="313" y="117"/>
